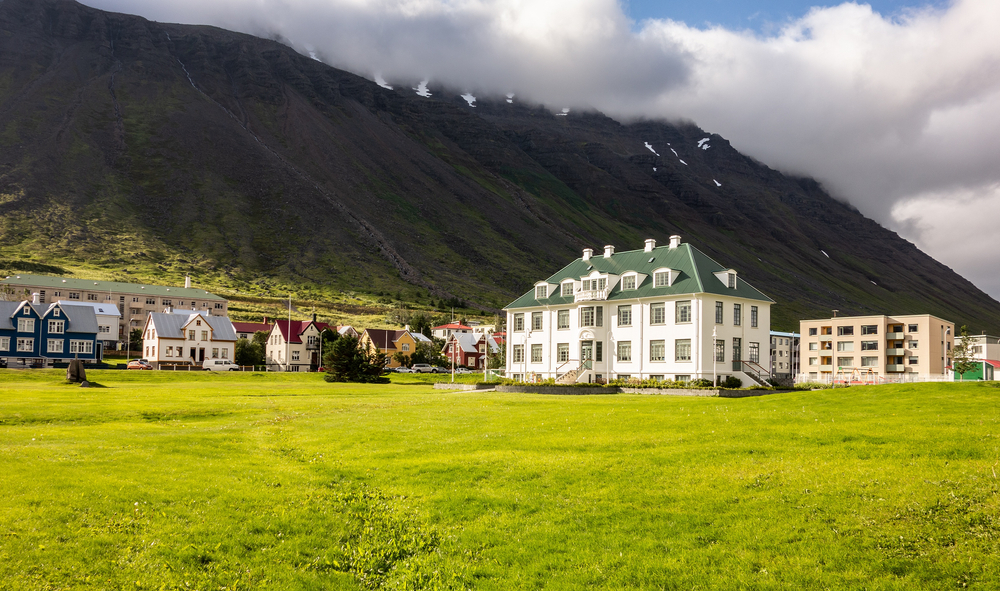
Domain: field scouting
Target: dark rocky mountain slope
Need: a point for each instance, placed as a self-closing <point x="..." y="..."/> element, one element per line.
<point x="128" y="143"/>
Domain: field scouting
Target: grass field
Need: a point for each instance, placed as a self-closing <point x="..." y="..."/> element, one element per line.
<point x="282" y="481"/>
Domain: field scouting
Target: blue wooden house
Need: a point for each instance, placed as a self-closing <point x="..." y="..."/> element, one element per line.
<point x="33" y="334"/>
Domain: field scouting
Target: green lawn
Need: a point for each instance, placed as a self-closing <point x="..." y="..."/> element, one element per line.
<point x="281" y="481"/>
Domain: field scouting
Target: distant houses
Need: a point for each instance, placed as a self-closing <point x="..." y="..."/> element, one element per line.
<point x="390" y="342"/>
<point x="186" y="337"/>
<point x="295" y="345"/>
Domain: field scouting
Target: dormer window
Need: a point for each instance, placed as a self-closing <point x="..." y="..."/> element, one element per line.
<point x="628" y="282"/>
<point x="732" y="280"/>
<point x="595" y="284"/>
<point x="664" y="277"/>
<point x="541" y="292"/>
<point x="56" y="312"/>
<point x="567" y="289"/>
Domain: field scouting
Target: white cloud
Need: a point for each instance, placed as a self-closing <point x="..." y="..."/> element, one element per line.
<point x="883" y="111"/>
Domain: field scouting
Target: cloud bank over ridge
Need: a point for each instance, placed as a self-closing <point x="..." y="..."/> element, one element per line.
<point x="898" y="115"/>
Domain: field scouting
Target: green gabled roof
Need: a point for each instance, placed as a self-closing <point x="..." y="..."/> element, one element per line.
<point x="697" y="275"/>
<point x="48" y="281"/>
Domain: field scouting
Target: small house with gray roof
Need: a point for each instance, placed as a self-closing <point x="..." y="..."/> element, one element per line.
<point x="32" y="334"/>
<point x="666" y="313"/>
<point x="187" y="337"/>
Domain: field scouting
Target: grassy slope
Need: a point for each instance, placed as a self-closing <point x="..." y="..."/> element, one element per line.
<point x="246" y="481"/>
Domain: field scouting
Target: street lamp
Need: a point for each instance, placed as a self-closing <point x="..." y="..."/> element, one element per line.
<point x="715" y="355"/>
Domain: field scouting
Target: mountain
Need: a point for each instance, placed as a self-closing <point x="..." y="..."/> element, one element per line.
<point x="155" y="149"/>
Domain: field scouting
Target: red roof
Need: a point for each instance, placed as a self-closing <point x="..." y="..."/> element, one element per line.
<point x="298" y="327"/>
<point x="251" y="326"/>
<point x="453" y="326"/>
<point x="995" y="364"/>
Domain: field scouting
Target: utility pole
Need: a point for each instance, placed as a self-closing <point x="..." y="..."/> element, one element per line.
<point x="288" y="335"/>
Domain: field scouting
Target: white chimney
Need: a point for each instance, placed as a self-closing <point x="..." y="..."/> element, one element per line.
<point x="34" y="298"/>
<point x="675" y="241"/>
<point x="587" y="253"/>
<point x="650" y="244"/>
<point x="187" y="281"/>
<point x="608" y="250"/>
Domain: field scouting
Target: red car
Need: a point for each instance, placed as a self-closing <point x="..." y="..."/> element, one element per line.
<point x="138" y="364"/>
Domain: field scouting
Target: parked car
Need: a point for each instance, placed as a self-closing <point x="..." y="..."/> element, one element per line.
<point x="463" y="370"/>
<point x="437" y="369"/>
<point x="220" y="365"/>
<point x="404" y="370"/>
<point x="422" y="368"/>
<point x="138" y="364"/>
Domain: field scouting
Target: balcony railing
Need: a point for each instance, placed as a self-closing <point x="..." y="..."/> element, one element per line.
<point x="894" y="336"/>
<point x="895" y="368"/>
<point x="895" y="352"/>
<point x="591" y="295"/>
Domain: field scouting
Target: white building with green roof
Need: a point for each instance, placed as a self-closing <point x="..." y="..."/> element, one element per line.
<point x="133" y="300"/>
<point x="668" y="313"/>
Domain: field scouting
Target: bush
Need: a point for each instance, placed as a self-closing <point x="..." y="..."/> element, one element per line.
<point x="700" y="383"/>
<point x="732" y="382"/>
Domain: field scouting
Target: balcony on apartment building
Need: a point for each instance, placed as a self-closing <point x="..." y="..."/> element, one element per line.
<point x="895" y="352"/>
<point x="591" y="295"/>
<point x="894" y="336"/>
<point x="894" y="368"/>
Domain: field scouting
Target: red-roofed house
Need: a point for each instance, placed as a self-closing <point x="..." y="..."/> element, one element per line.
<point x="469" y="349"/>
<point x="246" y="330"/>
<point x="297" y="349"/>
<point x="446" y="330"/>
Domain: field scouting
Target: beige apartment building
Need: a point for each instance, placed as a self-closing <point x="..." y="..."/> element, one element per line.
<point x="134" y="301"/>
<point x="876" y="348"/>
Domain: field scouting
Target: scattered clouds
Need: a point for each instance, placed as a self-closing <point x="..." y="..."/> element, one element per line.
<point x="900" y="116"/>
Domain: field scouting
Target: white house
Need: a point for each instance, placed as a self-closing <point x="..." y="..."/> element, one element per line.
<point x="296" y="346"/>
<point x="179" y="337"/>
<point x="657" y="313"/>
<point x="108" y="319"/>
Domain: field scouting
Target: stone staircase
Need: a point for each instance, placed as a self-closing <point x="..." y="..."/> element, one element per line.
<point x="571" y="376"/>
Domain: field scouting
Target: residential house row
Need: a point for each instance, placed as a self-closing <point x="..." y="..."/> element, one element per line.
<point x="33" y="334"/>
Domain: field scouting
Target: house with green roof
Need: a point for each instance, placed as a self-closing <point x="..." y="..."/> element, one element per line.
<point x="668" y="313"/>
<point x="133" y="300"/>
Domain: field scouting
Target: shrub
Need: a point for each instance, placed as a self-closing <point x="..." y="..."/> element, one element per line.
<point x="732" y="382"/>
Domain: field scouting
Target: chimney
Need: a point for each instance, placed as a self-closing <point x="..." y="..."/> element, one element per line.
<point x="675" y="241"/>
<point x="608" y="250"/>
<point x="266" y="320"/>
<point x="314" y="318"/>
<point x="34" y="298"/>
<point x="587" y="253"/>
<point x="187" y="281"/>
<point x="650" y="245"/>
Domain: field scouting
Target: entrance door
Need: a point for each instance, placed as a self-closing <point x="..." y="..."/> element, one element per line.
<point x="587" y="351"/>
<point x="201" y="355"/>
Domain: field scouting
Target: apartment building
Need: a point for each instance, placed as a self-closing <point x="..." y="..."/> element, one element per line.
<point x="784" y="354"/>
<point x="134" y="301"/>
<point x="667" y="312"/>
<point x="876" y="348"/>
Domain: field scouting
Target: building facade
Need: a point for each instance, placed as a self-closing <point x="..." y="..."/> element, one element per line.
<point x="32" y="334"/>
<point x="876" y="348"/>
<point x="469" y="349"/>
<point x="296" y="345"/>
<point x="784" y="355"/>
<point x="657" y="313"/>
<point x="134" y="301"/>
<point x="186" y="337"/>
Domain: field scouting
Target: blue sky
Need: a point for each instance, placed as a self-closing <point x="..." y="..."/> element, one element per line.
<point x="759" y="15"/>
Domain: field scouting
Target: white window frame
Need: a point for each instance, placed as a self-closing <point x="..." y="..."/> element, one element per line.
<point x="57" y="326"/>
<point x="25" y="344"/>
<point x="629" y="282"/>
<point x="26" y="325"/>
<point x="537" y="320"/>
<point x="54" y="346"/>
<point x="679" y="308"/>
<point x="624" y="351"/>
<point x="657" y="351"/>
<point x="82" y="347"/>
<point x="536" y="353"/>
<point x="517" y="354"/>
<point x="682" y="350"/>
<point x="4" y="343"/>
<point x="562" y="352"/>
<point x="625" y="315"/>
<point x="519" y="322"/>
<point x="566" y="289"/>
<point x="541" y="292"/>
<point x="658" y="310"/>
<point x="561" y="316"/>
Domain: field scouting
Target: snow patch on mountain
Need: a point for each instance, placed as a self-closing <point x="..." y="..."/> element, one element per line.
<point x="469" y="99"/>
<point x="381" y="82"/>
<point x="422" y="89"/>
<point x="703" y="143"/>
<point x="824" y="253"/>
<point x="565" y="112"/>
<point x="510" y="97"/>
<point x="682" y="162"/>
<point x="650" y="148"/>
<point x="717" y="183"/>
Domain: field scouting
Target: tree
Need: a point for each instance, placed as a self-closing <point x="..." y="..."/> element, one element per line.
<point x="347" y="362"/>
<point x="401" y="358"/>
<point x="135" y="340"/>
<point x="248" y="352"/>
<point x="421" y="322"/>
<point x="961" y="356"/>
<point x="497" y="360"/>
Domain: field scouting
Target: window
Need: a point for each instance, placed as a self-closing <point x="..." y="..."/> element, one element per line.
<point x="136" y="300"/>
<point x="92" y="297"/>
<point x="661" y="279"/>
<point x="624" y="376"/>
<point x="204" y="335"/>
<point x="198" y="322"/>
<point x="57" y="326"/>
<point x="55" y="346"/>
<point x="814" y="361"/>
<point x="536" y="353"/>
<point x="914" y="360"/>
<point x="812" y="332"/>
<point x="737" y="349"/>
<point x="869" y="361"/>
<point x="682" y="378"/>
<point x="754" y="349"/>
<point x="737" y="314"/>
<point x="74" y="295"/>
<point x="518" y="322"/>
<point x="592" y="316"/>
<point x="536" y="321"/>
<point x="732" y="280"/>
<point x="518" y="353"/>
<point x="405" y="346"/>
<point x="4" y="343"/>
<point x="566" y="289"/>
<point x="170" y="351"/>
<point x="625" y="315"/>
<point x="541" y="292"/>
<point x="628" y="282"/>
<point x="913" y="344"/>
<point x="166" y="302"/>
<point x="845" y="362"/>
<point x="562" y="319"/>
<point x="682" y="350"/>
<point x="218" y="306"/>
<point x="624" y="351"/>
<point x="825" y="330"/>
<point x="718" y="312"/>
<point x="190" y="335"/>
<point x="720" y="350"/>
<point x="225" y="352"/>
<point x="657" y="313"/>
<point x="753" y="316"/>
<point x="658" y="378"/>
<point x="599" y="351"/>
<point x="562" y="352"/>
<point x="911" y="328"/>
<point x="682" y="312"/>
<point x="814" y="346"/>
<point x="25" y="324"/>
<point x="25" y="345"/>
<point x="56" y="312"/>
<point x="657" y="351"/>
<point x="150" y="301"/>
<point x="295" y="355"/>
<point x="134" y="311"/>
<point x="594" y="284"/>
<point x="869" y="345"/>
<point x="215" y="353"/>
<point x="843" y="331"/>
<point x="81" y="347"/>
<point x="845" y="345"/>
